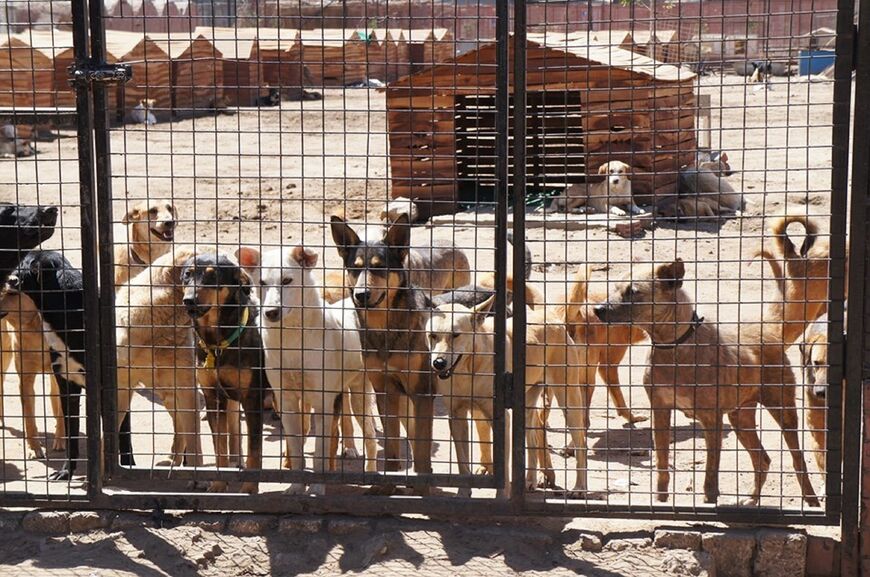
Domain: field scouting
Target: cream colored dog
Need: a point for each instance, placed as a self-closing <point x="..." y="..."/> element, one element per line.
<point x="611" y="195"/>
<point x="150" y="231"/>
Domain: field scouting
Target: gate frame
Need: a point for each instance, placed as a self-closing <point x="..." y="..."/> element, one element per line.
<point x="97" y="262"/>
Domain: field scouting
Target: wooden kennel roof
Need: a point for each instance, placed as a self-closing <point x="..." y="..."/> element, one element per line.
<point x="549" y="57"/>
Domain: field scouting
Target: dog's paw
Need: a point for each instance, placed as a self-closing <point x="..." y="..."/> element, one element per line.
<point x="62" y="475"/>
<point x="813" y="501"/>
<point x="58" y="444"/>
<point x="749" y="502"/>
<point x="35" y="452"/>
<point x="217" y="487"/>
<point x="381" y="490"/>
<point x="482" y="470"/>
<point x="166" y="463"/>
<point x="295" y="489"/>
<point x="662" y="497"/>
<point x="575" y="493"/>
<point x="350" y="453"/>
<point x="250" y="488"/>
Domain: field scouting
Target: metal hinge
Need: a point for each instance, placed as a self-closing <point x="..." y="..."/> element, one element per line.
<point x="507" y="385"/>
<point x="89" y="73"/>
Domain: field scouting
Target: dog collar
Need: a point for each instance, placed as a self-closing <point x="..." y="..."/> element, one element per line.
<point x="212" y="353"/>
<point x="696" y="322"/>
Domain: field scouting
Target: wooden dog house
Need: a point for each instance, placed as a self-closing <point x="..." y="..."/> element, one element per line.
<point x="242" y="82"/>
<point x="196" y="72"/>
<point x="152" y="72"/>
<point x="586" y="105"/>
<point x="26" y="74"/>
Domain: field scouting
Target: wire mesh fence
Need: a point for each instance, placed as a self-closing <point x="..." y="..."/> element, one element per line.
<point x="584" y="258"/>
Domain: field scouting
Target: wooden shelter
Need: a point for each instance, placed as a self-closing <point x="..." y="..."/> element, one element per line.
<point x="428" y="46"/>
<point x="334" y="56"/>
<point x="279" y="53"/>
<point x="57" y="45"/>
<point x="393" y="53"/>
<point x="195" y="73"/>
<point x="152" y="72"/>
<point x="26" y="74"/>
<point x="242" y="82"/>
<point x="587" y="105"/>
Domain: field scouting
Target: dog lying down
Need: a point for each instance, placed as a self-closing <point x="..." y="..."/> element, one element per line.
<point x="612" y="195"/>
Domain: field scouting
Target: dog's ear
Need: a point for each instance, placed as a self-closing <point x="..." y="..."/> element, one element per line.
<point x="134" y="215"/>
<point x="482" y="310"/>
<point x="173" y="211"/>
<point x="672" y="274"/>
<point x="343" y="235"/>
<point x="398" y="235"/>
<point x="805" y="349"/>
<point x="604" y="168"/>
<point x="248" y="257"/>
<point x="304" y="257"/>
<point x="723" y="157"/>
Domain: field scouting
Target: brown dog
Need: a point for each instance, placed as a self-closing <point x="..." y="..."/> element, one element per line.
<point x="392" y="316"/>
<point x="611" y="195"/>
<point x="706" y="371"/>
<point x="217" y="297"/>
<point x="150" y="233"/>
<point x="814" y="358"/>
<point x="22" y="339"/>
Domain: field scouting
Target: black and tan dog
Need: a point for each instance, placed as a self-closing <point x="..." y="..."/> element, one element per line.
<point x="217" y="296"/>
<point x="392" y="315"/>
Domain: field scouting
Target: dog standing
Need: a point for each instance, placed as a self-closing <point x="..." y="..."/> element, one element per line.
<point x="612" y="195"/>
<point x="231" y="366"/>
<point x="392" y="315"/>
<point x="150" y="231"/>
<point x="155" y="348"/>
<point x="22" y="228"/>
<point x="462" y="349"/>
<point x="55" y="290"/>
<point x="705" y="371"/>
<point x="313" y="351"/>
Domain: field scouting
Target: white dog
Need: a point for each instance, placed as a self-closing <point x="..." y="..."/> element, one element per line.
<point x="313" y="354"/>
<point x="612" y="195"/>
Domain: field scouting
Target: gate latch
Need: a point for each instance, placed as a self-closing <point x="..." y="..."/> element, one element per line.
<point x="90" y="73"/>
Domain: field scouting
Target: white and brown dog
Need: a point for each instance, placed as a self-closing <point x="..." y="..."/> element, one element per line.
<point x="611" y="195"/>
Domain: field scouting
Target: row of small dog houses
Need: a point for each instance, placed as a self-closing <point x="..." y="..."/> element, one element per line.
<point x="235" y="66"/>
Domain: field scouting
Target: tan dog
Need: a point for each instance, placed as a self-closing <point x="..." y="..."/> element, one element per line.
<point x="706" y="371"/>
<point x="22" y="340"/>
<point x="612" y="195"/>
<point x="610" y="342"/>
<point x="156" y="349"/>
<point x="814" y="358"/>
<point x="462" y="347"/>
<point x="150" y="233"/>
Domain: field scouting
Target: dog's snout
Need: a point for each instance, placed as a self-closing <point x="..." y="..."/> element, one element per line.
<point x="820" y="392"/>
<point x="189" y="302"/>
<point x="601" y="312"/>
<point x="273" y="314"/>
<point x="439" y="364"/>
<point x="362" y="297"/>
<point x="13" y="282"/>
<point x="48" y="210"/>
<point x="169" y="224"/>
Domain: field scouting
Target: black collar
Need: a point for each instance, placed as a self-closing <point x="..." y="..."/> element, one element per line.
<point x="696" y="322"/>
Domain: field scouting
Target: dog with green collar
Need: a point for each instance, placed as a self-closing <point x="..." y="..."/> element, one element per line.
<point x="217" y="297"/>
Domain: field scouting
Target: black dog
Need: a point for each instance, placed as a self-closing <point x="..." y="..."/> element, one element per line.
<point x="22" y="229"/>
<point x="217" y="296"/>
<point x="56" y="288"/>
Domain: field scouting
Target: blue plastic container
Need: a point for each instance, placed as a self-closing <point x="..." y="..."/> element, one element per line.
<point x="814" y="61"/>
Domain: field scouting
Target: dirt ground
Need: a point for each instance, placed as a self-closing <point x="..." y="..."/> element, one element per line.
<point x="340" y="545"/>
<point x="269" y="177"/>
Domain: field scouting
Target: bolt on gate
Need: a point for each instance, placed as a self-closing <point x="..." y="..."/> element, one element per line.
<point x="316" y="247"/>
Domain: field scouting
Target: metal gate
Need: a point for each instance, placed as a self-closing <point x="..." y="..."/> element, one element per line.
<point x="237" y="173"/>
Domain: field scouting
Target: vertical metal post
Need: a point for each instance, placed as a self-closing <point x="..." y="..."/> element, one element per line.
<point x="501" y="151"/>
<point x="105" y="246"/>
<point x="519" y="244"/>
<point x="853" y="407"/>
<point x="87" y="180"/>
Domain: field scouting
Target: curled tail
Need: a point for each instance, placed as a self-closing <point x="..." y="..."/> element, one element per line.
<point x="783" y="242"/>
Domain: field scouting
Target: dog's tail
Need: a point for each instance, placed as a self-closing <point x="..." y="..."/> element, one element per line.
<point x="528" y="257"/>
<point x="784" y="244"/>
<point x="576" y="299"/>
<point x="775" y="266"/>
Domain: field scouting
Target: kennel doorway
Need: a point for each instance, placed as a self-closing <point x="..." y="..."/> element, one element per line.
<point x="555" y="148"/>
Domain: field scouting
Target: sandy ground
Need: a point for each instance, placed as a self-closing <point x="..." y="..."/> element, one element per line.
<point x="269" y="177"/>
